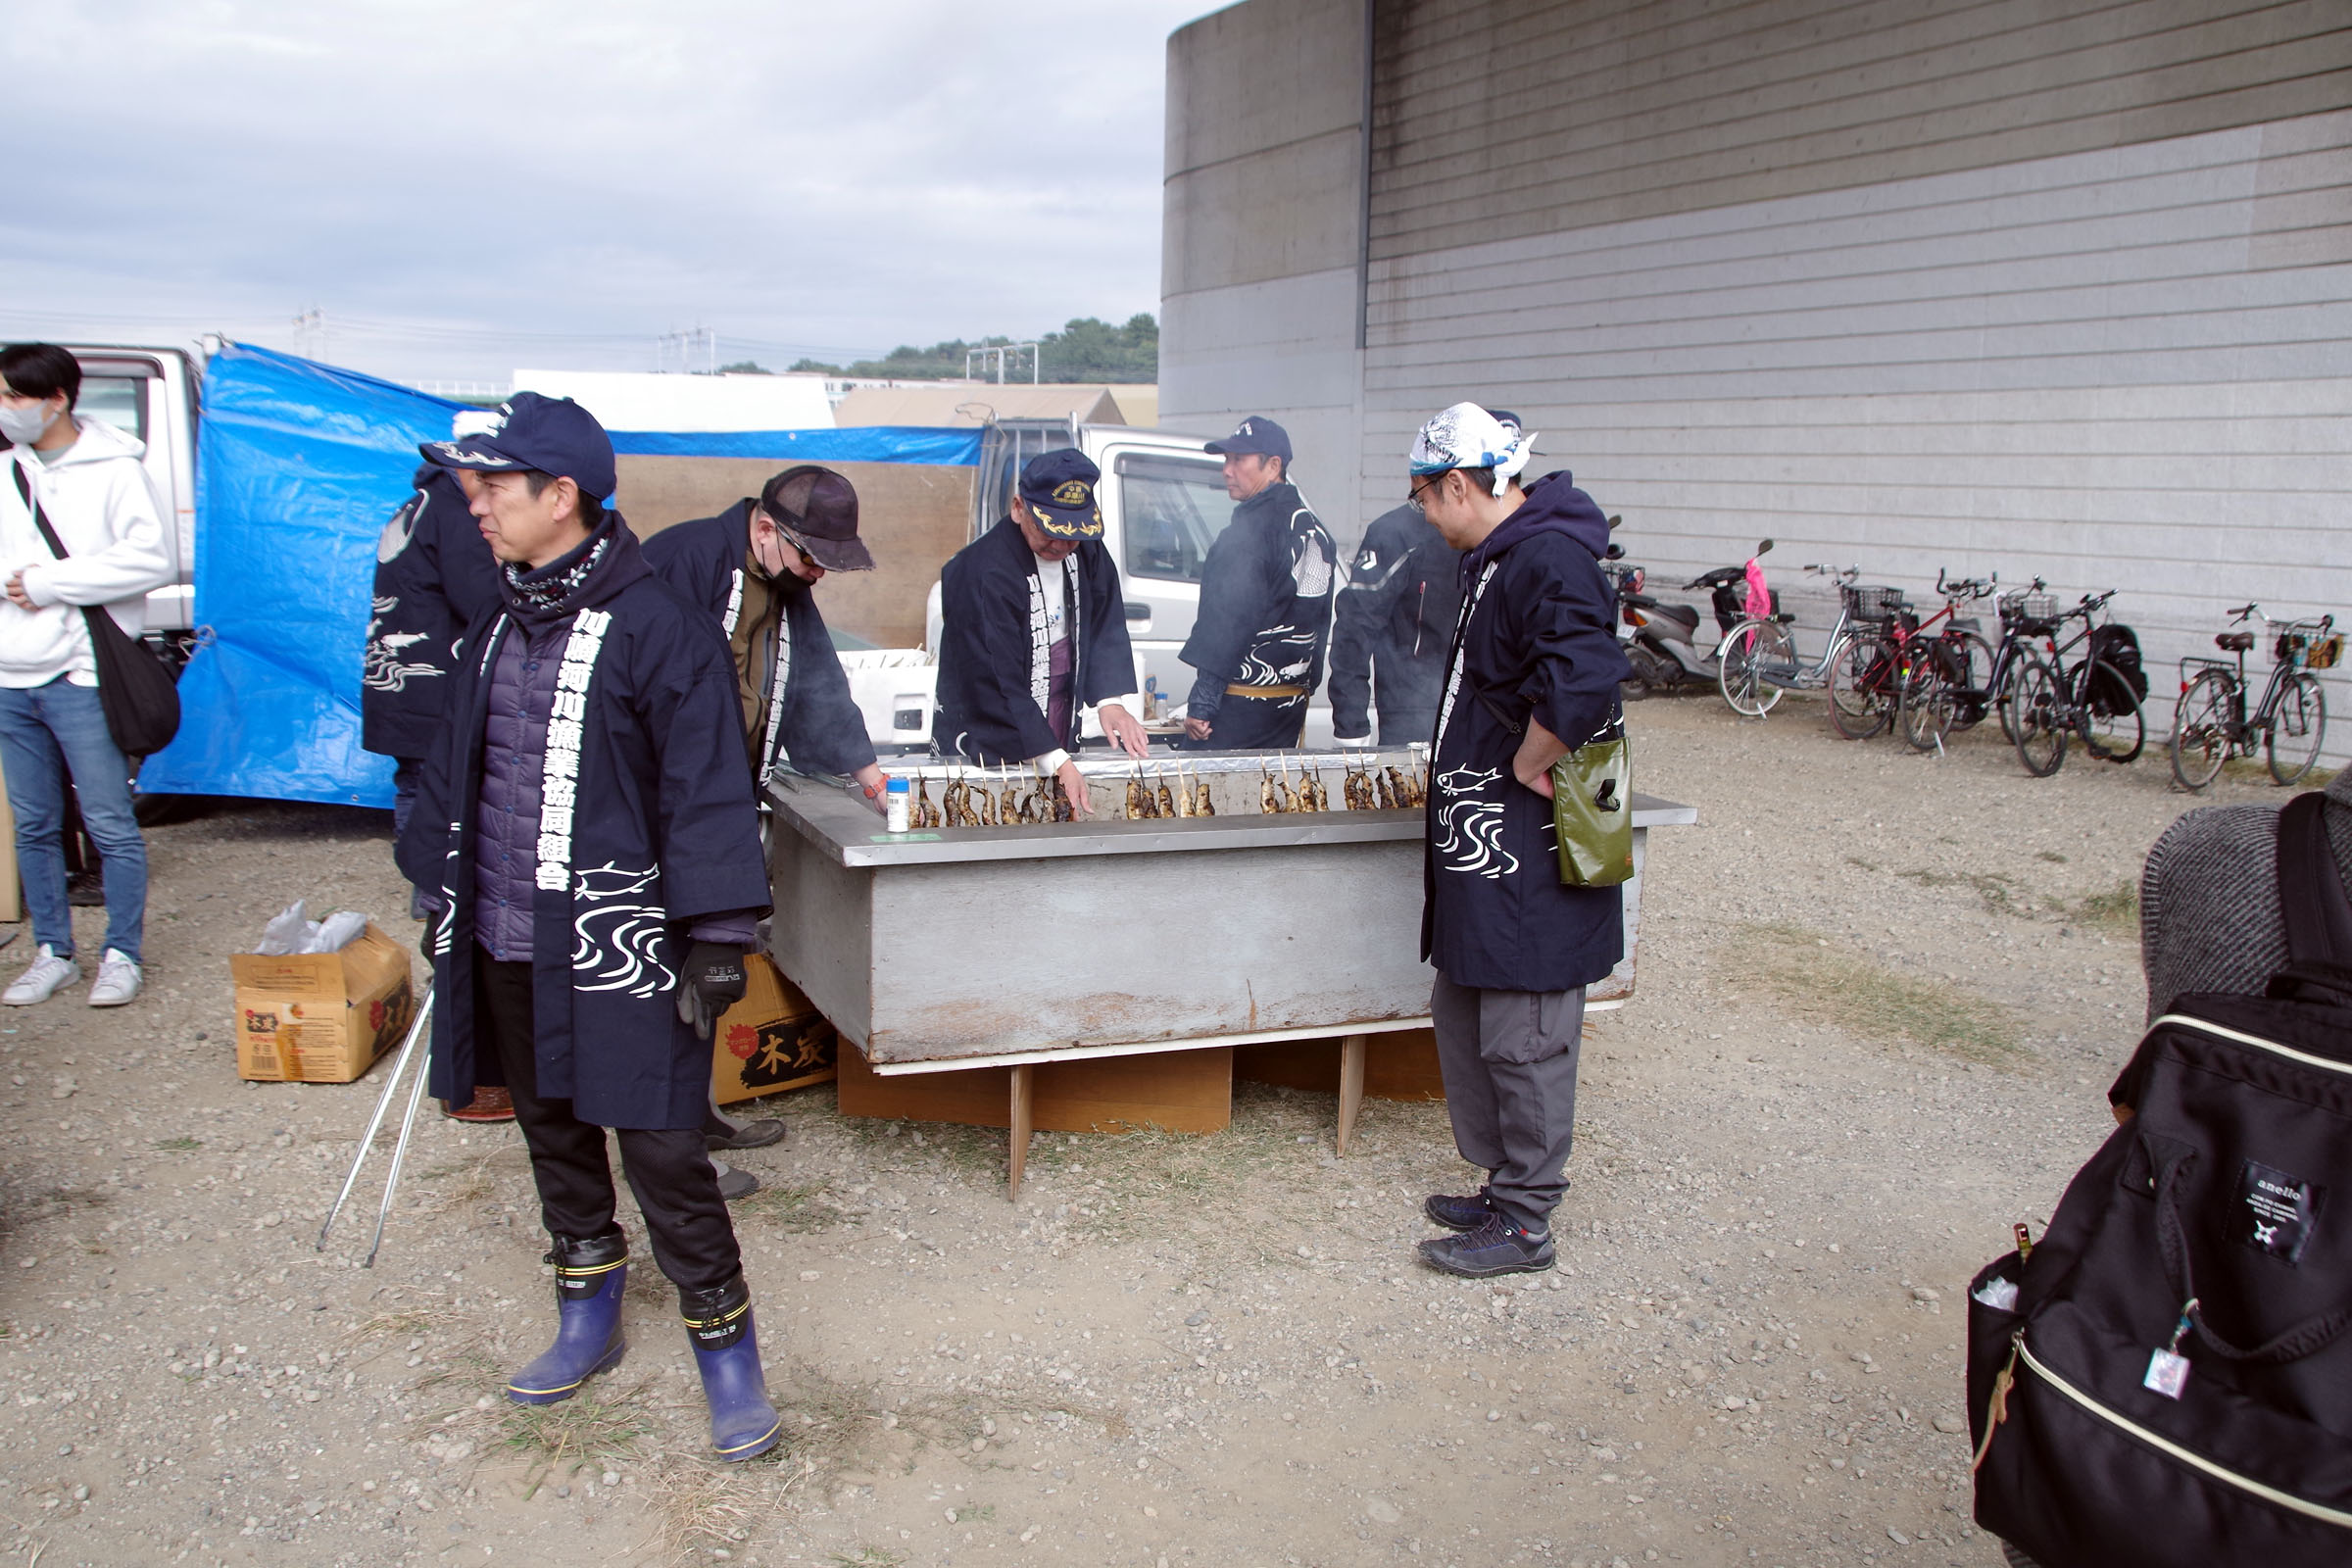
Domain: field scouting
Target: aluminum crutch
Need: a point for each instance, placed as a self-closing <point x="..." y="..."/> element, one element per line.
<point x="415" y="1051"/>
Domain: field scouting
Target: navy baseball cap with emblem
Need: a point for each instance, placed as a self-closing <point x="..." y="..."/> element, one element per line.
<point x="1257" y="434"/>
<point x="528" y="432"/>
<point x="1059" y="487"/>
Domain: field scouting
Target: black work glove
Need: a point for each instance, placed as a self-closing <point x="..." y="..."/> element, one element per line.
<point x="711" y="982"/>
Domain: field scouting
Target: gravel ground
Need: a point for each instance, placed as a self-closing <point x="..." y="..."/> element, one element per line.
<point x="1882" y="995"/>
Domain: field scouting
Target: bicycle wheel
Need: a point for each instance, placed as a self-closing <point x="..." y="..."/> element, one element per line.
<point x="1971" y="694"/>
<point x="2113" y="729"/>
<point x="1862" y="687"/>
<point x="1759" y="661"/>
<point x="1925" y="711"/>
<point x="2038" y="717"/>
<point x="2292" y="747"/>
<point x="2201" y="727"/>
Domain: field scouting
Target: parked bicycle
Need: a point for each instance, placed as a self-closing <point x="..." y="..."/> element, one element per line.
<point x="1758" y="659"/>
<point x="2097" y="699"/>
<point x="1948" y="679"/>
<point x="2210" y="724"/>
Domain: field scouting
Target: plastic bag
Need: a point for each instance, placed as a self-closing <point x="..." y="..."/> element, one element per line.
<point x="287" y="932"/>
<point x="337" y="931"/>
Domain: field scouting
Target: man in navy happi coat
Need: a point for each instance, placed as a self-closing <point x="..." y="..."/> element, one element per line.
<point x="587" y="820"/>
<point x="1035" y="631"/>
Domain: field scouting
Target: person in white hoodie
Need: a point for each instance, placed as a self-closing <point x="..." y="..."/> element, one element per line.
<point x="86" y="478"/>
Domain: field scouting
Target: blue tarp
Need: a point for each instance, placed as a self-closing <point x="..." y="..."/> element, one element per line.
<point x="878" y="443"/>
<point x="298" y="464"/>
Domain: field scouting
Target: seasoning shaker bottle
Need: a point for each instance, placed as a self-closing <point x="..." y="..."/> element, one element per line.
<point x="898" y="800"/>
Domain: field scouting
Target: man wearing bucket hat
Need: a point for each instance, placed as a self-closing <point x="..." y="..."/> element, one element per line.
<point x="1035" y="632"/>
<point x="586" y="821"/>
<point x="1264" y="620"/>
<point x="1531" y="672"/>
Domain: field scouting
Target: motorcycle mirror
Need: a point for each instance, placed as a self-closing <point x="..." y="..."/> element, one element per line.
<point x="1615" y="551"/>
<point x="1764" y="548"/>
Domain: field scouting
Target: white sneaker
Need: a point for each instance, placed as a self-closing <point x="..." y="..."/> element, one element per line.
<point x="118" y="980"/>
<point x="43" y="979"/>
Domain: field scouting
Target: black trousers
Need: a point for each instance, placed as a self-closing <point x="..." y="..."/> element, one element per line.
<point x="669" y="1169"/>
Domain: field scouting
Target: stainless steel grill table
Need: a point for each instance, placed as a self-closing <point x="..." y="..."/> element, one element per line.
<point x="963" y="947"/>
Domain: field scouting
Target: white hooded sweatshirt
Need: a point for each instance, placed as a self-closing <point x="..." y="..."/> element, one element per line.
<point x="104" y="505"/>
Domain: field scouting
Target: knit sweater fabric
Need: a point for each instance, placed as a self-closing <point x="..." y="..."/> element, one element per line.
<point x="2209" y="915"/>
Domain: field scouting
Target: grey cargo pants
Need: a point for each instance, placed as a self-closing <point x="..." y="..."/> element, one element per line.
<point x="1509" y="1061"/>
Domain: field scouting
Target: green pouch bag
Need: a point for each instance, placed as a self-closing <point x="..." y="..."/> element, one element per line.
<point x="1592" y="810"/>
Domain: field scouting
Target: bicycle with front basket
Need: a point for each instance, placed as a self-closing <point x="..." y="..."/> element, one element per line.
<point x="1758" y="658"/>
<point x="2210" y="724"/>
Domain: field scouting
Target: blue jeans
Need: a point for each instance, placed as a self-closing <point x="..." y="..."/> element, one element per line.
<point x="45" y="731"/>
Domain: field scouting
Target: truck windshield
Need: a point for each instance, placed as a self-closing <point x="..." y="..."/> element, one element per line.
<point x="1172" y="509"/>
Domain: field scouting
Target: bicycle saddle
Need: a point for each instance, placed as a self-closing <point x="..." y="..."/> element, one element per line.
<point x="1787" y="618"/>
<point x="1968" y="623"/>
<point x="2234" y="642"/>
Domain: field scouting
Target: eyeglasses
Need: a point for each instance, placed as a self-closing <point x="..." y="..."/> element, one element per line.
<point x="1413" y="496"/>
<point x="789" y="537"/>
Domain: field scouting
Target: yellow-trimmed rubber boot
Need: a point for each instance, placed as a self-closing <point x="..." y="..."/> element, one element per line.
<point x="590" y="1277"/>
<point x="726" y="1351"/>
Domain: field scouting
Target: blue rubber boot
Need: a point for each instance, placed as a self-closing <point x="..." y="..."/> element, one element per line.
<point x="726" y="1351"/>
<point x="590" y="1277"/>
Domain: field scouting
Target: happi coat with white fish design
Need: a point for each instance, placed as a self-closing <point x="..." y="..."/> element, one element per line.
<point x="1536" y="639"/>
<point x="645" y="826"/>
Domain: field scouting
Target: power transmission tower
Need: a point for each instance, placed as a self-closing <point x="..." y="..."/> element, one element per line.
<point x="686" y="343"/>
<point x="995" y="353"/>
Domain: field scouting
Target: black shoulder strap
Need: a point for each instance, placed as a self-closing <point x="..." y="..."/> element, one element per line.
<point x="41" y="518"/>
<point x="2311" y="886"/>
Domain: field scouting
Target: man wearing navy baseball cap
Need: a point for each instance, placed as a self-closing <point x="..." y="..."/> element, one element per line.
<point x="587" y="819"/>
<point x="1036" y="632"/>
<point x="1259" y="636"/>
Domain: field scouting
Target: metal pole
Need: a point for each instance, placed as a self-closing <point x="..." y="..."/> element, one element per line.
<point x="400" y="1154"/>
<point x="383" y="1103"/>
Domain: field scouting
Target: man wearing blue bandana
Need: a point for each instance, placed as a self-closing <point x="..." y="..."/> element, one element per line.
<point x="586" y="819"/>
<point x="1532" y="673"/>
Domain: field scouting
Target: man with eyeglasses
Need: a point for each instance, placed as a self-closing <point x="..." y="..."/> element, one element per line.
<point x="752" y="567"/>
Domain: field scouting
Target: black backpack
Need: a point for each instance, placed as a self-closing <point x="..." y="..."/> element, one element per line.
<point x="2172" y="1383"/>
<point x="2118" y="645"/>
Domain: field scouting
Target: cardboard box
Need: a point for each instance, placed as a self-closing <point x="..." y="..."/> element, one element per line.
<point x="321" y="1017"/>
<point x="773" y="1040"/>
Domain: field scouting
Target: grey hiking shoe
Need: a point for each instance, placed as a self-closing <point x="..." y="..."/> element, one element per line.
<point x="1498" y="1247"/>
<point x="119" y="980"/>
<point x="42" y="979"/>
<point x="734" y="1184"/>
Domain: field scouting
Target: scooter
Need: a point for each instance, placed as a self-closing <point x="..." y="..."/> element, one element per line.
<point x="1664" y="651"/>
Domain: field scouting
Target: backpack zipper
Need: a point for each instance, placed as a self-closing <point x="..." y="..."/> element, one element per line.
<point x="2163" y="1445"/>
<point x="2256" y="1041"/>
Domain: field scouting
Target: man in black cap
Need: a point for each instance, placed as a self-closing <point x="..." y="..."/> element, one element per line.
<point x="751" y="567"/>
<point x="1259" y="638"/>
<point x="1035" y="632"/>
<point x="587" y="820"/>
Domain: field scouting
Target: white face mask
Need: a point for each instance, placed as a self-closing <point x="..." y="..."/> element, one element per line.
<point x="26" y="424"/>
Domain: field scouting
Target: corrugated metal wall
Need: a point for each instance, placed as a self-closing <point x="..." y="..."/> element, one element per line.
<point x="2041" y="286"/>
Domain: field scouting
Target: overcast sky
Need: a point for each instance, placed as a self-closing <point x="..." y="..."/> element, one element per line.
<point x="465" y="188"/>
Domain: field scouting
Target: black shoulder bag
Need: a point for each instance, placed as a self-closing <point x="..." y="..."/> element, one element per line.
<point x="140" y="699"/>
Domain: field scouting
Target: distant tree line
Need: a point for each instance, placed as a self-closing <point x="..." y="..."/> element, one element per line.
<point x="1084" y="350"/>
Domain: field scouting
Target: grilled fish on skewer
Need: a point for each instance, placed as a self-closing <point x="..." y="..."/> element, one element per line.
<point x="1203" y="804"/>
<point x="1165" y="801"/>
<point x="1136" y="808"/>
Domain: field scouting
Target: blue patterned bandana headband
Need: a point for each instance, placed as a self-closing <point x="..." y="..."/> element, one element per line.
<point x="1467" y="436"/>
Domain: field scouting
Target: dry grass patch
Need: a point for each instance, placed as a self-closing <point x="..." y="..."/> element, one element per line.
<point x="1820" y="981"/>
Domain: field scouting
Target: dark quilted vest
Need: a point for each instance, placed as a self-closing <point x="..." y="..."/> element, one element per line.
<point x="506" y="834"/>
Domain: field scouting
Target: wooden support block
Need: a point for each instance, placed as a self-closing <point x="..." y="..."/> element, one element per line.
<point x="1178" y="1091"/>
<point x="1022" y="1106"/>
<point x="1399" y="1064"/>
<point x="1352" y="1049"/>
